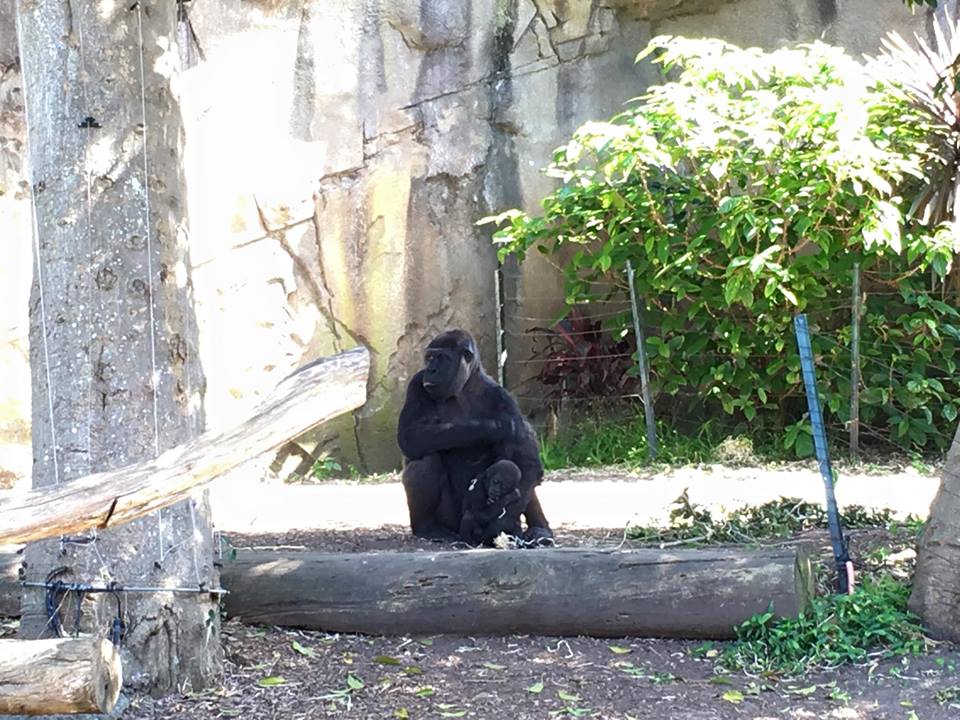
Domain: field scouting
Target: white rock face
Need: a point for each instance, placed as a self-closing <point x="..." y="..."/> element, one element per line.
<point x="340" y="153"/>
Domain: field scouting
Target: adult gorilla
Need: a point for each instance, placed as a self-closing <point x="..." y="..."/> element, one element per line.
<point x="456" y="424"/>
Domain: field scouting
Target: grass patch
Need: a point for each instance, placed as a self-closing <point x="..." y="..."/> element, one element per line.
<point x="604" y="437"/>
<point x="873" y="623"/>
<point x="620" y="439"/>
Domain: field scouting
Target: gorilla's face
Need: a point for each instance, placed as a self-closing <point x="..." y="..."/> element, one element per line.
<point x="449" y="361"/>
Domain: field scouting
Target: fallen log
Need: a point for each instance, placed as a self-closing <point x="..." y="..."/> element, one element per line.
<point x="648" y="593"/>
<point x="312" y="395"/>
<point x="61" y="675"/>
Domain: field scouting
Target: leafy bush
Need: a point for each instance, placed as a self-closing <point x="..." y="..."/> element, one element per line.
<point x="744" y="191"/>
<point x="775" y="519"/>
<point x="872" y="623"/>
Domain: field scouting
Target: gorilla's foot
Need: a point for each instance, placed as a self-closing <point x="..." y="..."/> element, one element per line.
<point x="536" y="537"/>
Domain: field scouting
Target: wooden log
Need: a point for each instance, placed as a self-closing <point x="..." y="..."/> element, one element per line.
<point x="312" y="395"/>
<point x="61" y="675"/>
<point x="649" y="593"/>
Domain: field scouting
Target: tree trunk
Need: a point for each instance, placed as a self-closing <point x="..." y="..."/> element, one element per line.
<point x="64" y="675"/>
<point x="10" y="584"/>
<point x="651" y="593"/>
<point x="113" y="342"/>
<point x="936" y="582"/>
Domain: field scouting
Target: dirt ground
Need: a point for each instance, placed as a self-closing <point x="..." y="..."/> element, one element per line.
<point x="280" y="673"/>
<point x="536" y="678"/>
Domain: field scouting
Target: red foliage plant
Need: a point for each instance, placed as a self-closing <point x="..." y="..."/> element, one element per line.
<point x="582" y="360"/>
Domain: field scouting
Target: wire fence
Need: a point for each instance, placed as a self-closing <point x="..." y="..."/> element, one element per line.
<point x="535" y="348"/>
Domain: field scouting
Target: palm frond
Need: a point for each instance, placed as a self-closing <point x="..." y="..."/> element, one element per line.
<point x="930" y="76"/>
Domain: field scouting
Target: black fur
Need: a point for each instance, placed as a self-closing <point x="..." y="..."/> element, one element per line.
<point x="492" y="505"/>
<point x="456" y="423"/>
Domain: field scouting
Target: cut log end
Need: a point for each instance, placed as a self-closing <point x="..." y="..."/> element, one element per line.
<point x="806" y="580"/>
<point x="109" y="676"/>
<point x="61" y="675"/>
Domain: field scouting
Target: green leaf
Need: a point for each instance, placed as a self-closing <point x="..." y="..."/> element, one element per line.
<point x="304" y="650"/>
<point x="567" y="696"/>
<point x="386" y="660"/>
<point x="728" y="204"/>
<point x="536" y="688"/>
<point x="788" y="294"/>
<point x="271" y="681"/>
<point x="617" y="650"/>
<point x="804" y="445"/>
<point x="494" y="666"/>
<point x="354" y="683"/>
<point x="731" y="290"/>
<point x="425" y="692"/>
<point x="733" y="696"/>
<point x="727" y="403"/>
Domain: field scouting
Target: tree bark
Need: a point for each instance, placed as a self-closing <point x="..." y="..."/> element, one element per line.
<point x="66" y="675"/>
<point x="689" y="594"/>
<point x="936" y="581"/>
<point x="318" y="392"/>
<point x="10" y="584"/>
<point x="113" y="342"/>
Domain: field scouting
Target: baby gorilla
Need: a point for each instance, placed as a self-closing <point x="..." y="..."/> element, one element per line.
<point x="492" y="505"/>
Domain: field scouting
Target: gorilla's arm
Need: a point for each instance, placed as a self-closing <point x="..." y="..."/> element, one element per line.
<point x="419" y="435"/>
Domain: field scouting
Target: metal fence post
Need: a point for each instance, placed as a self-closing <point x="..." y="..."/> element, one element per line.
<point x="644" y="368"/>
<point x="841" y="555"/>
<point x="855" y="368"/>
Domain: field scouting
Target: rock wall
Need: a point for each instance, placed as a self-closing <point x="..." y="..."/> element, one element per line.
<point x="339" y="155"/>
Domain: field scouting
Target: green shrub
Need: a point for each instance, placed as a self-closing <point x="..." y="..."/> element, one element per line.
<point x="744" y="191"/>
<point x="872" y="623"/>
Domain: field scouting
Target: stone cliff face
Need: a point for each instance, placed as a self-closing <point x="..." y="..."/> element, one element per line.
<point x="339" y="155"/>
